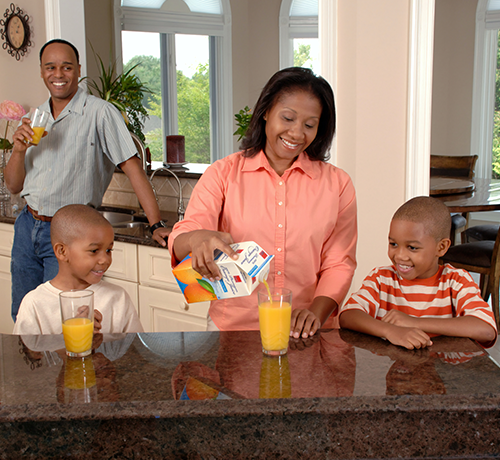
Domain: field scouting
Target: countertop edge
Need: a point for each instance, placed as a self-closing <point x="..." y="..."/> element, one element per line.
<point x="353" y="405"/>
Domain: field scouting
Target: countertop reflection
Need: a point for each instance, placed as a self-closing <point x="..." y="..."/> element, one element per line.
<point x="326" y="393"/>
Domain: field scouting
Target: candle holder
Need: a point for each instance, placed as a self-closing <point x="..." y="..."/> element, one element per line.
<point x="176" y="153"/>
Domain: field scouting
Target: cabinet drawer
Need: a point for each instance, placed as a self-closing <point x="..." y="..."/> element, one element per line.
<point x="155" y="269"/>
<point x="6" y="323"/>
<point x="131" y="288"/>
<point x="124" y="265"/>
<point x="6" y="239"/>
<point x="5" y="265"/>
<point x="166" y="311"/>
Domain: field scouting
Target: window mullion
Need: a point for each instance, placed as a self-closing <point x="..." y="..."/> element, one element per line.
<point x="168" y="87"/>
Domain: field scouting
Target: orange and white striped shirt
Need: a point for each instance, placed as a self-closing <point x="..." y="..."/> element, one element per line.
<point x="449" y="293"/>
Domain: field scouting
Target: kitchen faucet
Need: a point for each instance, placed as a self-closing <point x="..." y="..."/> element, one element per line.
<point x="142" y="153"/>
<point x="180" y="207"/>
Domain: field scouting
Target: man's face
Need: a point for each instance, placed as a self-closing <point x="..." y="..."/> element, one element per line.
<point x="60" y="71"/>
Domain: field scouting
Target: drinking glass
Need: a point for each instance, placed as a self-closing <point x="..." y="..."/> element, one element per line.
<point x="275" y="312"/>
<point x="77" y="311"/>
<point x="39" y="119"/>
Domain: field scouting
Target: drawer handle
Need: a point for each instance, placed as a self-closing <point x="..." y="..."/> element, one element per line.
<point x="185" y="306"/>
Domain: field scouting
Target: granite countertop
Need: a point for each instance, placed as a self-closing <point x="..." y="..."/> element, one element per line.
<point x="205" y="395"/>
<point x="133" y="234"/>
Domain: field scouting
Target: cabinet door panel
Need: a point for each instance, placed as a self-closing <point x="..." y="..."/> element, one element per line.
<point x="124" y="265"/>
<point x="6" y="323"/>
<point x="131" y="288"/>
<point x="6" y="239"/>
<point x="155" y="269"/>
<point x="166" y="311"/>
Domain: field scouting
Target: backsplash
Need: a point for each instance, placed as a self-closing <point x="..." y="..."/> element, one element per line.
<point x="121" y="193"/>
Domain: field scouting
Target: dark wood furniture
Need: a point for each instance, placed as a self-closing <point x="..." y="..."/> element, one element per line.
<point x="455" y="167"/>
<point x="480" y="257"/>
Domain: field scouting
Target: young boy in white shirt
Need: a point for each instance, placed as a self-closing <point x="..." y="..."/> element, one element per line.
<point x="82" y="240"/>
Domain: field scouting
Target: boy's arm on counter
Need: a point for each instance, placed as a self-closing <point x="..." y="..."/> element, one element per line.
<point x="408" y="337"/>
<point x="460" y="326"/>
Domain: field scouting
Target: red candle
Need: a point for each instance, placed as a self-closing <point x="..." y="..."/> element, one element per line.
<point x="175" y="149"/>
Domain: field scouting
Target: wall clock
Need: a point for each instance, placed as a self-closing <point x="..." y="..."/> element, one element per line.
<point x="15" y="32"/>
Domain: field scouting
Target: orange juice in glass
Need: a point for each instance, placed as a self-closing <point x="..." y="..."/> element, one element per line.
<point x="77" y="311"/>
<point x="39" y="119"/>
<point x="275" y="311"/>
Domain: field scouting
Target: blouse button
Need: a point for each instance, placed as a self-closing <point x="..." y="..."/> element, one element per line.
<point x="278" y="249"/>
<point x="280" y="203"/>
<point x="281" y="182"/>
<point x="278" y="273"/>
<point x="280" y="225"/>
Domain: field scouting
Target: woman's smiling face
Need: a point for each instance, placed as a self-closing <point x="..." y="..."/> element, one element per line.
<point x="291" y="125"/>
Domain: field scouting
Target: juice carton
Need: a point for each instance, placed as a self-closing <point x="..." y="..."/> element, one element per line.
<point x="239" y="277"/>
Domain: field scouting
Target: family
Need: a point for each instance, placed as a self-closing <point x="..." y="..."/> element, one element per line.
<point x="279" y="191"/>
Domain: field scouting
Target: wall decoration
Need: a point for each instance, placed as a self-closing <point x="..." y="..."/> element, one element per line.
<point x="16" y="32"/>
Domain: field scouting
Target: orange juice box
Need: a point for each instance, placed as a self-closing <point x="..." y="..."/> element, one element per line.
<point x="239" y="277"/>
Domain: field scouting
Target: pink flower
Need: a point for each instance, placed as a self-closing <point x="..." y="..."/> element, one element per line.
<point x="11" y="111"/>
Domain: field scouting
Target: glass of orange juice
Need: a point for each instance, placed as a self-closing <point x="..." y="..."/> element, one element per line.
<point x="275" y="312"/>
<point x="39" y="119"/>
<point x="77" y="311"/>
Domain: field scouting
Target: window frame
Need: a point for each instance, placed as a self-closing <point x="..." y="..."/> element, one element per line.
<point x="167" y="24"/>
<point x="291" y="27"/>
<point x="483" y="93"/>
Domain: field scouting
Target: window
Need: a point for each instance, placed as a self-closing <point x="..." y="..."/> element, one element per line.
<point x="483" y="98"/>
<point x="299" y="44"/>
<point x="183" y="55"/>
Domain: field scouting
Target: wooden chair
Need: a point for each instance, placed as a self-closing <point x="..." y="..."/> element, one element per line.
<point x="480" y="257"/>
<point x="455" y="166"/>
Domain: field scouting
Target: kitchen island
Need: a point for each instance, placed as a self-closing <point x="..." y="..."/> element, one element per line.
<point x="210" y="395"/>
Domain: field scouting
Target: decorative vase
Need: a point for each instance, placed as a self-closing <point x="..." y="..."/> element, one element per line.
<point x="5" y="205"/>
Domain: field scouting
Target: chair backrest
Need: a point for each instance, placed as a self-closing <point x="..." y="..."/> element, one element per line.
<point x="453" y="166"/>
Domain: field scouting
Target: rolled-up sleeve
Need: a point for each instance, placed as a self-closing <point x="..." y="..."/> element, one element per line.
<point x="338" y="255"/>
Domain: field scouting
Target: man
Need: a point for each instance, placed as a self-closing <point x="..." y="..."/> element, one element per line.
<point x="74" y="163"/>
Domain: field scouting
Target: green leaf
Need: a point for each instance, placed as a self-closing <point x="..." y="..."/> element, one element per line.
<point x="206" y="285"/>
<point x="5" y="144"/>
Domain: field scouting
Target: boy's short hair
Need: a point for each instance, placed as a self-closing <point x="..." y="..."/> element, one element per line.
<point x="429" y="211"/>
<point x="71" y="221"/>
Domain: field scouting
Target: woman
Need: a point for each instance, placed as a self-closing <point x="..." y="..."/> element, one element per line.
<point x="280" y="192"/>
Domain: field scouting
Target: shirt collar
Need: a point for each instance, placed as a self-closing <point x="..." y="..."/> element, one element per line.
<point x="76" y="104"/>
<point x="302" y="163"/>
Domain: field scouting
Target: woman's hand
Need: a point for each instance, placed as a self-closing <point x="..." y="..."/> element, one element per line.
<point x="304" y="323"/>
<point x="202" y="244"/>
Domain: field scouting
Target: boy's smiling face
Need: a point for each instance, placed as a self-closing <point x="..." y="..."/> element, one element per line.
<point x="413" y="251"/>
<point x="89" y="256"/>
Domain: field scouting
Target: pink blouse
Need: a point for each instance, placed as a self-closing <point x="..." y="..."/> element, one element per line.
<point x="306" y="218"/>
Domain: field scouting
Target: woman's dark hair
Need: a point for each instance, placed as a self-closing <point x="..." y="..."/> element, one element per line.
<point x="284" y="82"/>
<point x="64" y="42"/>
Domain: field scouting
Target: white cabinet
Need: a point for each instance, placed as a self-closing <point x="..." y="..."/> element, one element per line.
<point x="161" y="303"/>
<point x="166" y="311"/>
<point x="6" y="240"/>
<point x="124" y="270"/>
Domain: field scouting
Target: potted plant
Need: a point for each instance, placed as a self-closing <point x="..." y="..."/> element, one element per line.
<point x="125" y="91"/>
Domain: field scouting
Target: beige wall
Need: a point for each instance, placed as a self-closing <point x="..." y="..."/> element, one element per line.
<point x="99" y="33"/>
<point x="453" y="76"/>
<point x="371" y="110"/>
<point x="255" y="48"/>
<point x="20" y="80"/>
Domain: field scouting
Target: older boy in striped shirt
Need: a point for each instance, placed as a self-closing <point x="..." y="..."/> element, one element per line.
<point x="417" y="298"/>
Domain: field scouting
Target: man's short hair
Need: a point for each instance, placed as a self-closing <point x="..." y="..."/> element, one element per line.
<point x="72" y="221"/>
<point x="429" y="211"/>
<point x="64" y="42"/>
